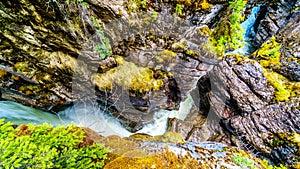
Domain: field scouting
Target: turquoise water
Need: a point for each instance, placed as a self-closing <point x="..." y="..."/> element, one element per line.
<point x="19" y="114"/>
<point x="248" y="24"/>
<point x="89" y="115"/>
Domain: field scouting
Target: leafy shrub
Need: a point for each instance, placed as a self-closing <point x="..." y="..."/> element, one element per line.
<point x="42" y="146"/>
<point x="228" y="34"/>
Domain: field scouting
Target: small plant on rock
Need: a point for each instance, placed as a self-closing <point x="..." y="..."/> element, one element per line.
<point x="228" y="34"/>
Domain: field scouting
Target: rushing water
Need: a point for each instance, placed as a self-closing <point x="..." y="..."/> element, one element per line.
<point x="88" y="115"/>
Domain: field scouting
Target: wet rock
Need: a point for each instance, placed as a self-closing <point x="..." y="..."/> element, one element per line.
<point x="273" y="16"/>
<point x="262" y="128"/>
<point x="289" y="37"/>
<point x="196" y="127"/>
<point x="237" y="87"/>
<point x="243" y="99"/>
<point x="137" y="153"/>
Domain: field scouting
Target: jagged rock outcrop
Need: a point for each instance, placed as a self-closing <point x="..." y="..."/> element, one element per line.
<point x="290" y="50"/>
<point x="272" y="17"/>
<point x="243" y="98"/>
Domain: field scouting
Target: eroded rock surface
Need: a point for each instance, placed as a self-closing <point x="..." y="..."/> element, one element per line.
<point x="242" y="96"/>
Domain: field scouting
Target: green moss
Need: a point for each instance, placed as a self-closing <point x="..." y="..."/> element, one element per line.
<point x="264" y="164"/>
<point x="129" y="75"/>
<point x="178" y="9"/>
<point x="137" y="5"/>
<point x="284" y="89"/>
<point x="269" y="54"/>
<point x="242" y="161"/>
<point x="21" y="67"/>
<point x="42" y="146"/>
<point x="228" y="34"/>
<point x="168" y="137"/>
<point x="165" y="56"/>
<point x="84" y="4"/>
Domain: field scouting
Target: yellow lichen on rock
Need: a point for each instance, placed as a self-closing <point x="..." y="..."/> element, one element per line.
<point x="160" y="160"/>
<point x="205" y="5"/>
<point x="165" y="56"/>
<point x="268" y="54"/>
<point x="167" y="137"/>
<point x="284" y="89"/>
<point x="129" y="75"/>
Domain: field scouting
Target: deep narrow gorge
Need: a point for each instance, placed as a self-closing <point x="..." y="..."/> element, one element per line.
<point x="204" y="78"/>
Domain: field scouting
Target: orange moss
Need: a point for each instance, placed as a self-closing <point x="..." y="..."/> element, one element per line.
<point x="161" y="160"/>
<point x="2" y="72"/>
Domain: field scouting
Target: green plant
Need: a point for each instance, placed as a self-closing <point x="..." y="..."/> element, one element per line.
<point x="228" y="34"/>
<point x="242" y="161"/>
<point x="102" y="48"/>
<point x="84" y="4"/>
<point x="154" y="15"/>
<point x="179" y="9"/>
<point x="42" y="146"/>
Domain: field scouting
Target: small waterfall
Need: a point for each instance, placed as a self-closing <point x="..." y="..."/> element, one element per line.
<point x="89" y="115"/>
<point x="159" y="126"/>
<point x="248" y="25"/>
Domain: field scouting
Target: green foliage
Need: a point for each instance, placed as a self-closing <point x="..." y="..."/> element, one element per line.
<point x="85" y="4"/>
<point x="242" y="161"/>
<point x="228" y="34"/>
<point x="178" y="9"/>
<point x="102" y="48"/>
<point x="42" y="146"/>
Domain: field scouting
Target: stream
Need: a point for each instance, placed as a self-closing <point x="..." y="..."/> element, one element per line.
<point x="88" y="115"/>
